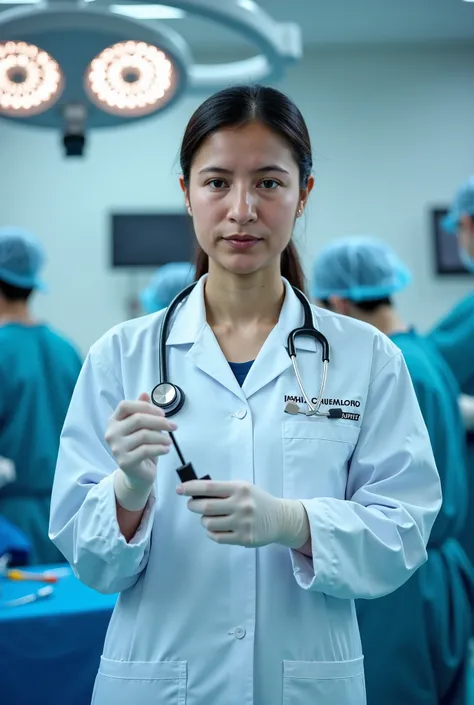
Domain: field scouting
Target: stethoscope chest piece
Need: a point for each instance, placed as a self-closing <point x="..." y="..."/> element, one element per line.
<point x="168" y="397"/>
<point x="292" y="408"/>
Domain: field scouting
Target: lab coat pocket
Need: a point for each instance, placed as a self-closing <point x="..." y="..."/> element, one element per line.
<point x="316" y="456"/>
<point x="324" y="682"/>
<point x="140" y="683"/>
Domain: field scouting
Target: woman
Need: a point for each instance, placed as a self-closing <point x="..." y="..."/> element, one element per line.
<point x="336" y="507"/>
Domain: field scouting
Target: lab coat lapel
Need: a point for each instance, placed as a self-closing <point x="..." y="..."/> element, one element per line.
<point x="207" y="355"/>
<point x="271" y="362"/>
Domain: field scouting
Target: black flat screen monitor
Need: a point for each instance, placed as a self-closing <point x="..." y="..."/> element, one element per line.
<point x="151" y="239"/>
<point x="446" y="247"/>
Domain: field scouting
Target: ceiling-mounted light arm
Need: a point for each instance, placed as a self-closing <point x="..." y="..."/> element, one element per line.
<point x="74" y="130"/>
<point x="120" y="87"/>
<point x="120" y="68"/>
<point x="57" y="15"/>
<point x="260" y="69"/>
<point x="279" y="43"/>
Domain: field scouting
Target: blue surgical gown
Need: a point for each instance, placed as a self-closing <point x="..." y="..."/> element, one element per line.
<point x="416" y="639"/>
<point x="38" y="372"/>
<point x="453" y="336"/>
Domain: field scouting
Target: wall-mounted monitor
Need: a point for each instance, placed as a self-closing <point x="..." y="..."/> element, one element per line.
<point x="151" y="239"/>
<point x="446" y="247"/>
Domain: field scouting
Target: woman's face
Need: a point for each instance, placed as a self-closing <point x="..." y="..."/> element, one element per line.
<point x="244" y="194"/>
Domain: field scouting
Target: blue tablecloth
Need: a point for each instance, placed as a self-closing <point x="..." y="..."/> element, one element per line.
<point x="50" y="649"/>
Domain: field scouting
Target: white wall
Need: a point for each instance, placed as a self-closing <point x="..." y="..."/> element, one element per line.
<point x="392" y="132"/>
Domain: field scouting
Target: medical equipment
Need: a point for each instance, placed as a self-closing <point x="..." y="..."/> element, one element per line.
<point x="170" y="397"/>
<point x="81" y="65"/>
<point x="40" y="594"/>
<point x="23" y="575"/>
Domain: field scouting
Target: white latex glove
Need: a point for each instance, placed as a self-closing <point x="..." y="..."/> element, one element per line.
<point x="7" y="471"/>
<point x="137" y="436"/>
<point x="241" y="514"/>
<point x="466" y="405"/>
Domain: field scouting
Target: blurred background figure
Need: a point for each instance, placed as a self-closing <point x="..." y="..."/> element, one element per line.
<point x="166" y="283"/>
<point x="416" y="640"/>
<point x="454" y="334"/>
<point x="38" y="371"/>
<point x="460" y="222"/>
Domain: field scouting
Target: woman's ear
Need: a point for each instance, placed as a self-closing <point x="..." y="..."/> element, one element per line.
<point x="185" y="191"/>
<point x="304" y="195"/>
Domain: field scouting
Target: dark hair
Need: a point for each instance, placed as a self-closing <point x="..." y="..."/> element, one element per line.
<point x="372" y="305"/>
<point x="236" y="107"/>
<point x="14" y="293"/>
<point x="366" y="306"/>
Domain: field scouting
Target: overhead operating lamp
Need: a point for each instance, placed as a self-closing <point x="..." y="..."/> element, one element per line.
<point x="76" y="66"/>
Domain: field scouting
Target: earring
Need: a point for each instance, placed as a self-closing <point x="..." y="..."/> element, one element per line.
<point x="299" y="213"/>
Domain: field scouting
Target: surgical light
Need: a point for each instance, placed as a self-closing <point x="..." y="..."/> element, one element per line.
<point x="30" y="79"/>
<point x="130" y="78"/>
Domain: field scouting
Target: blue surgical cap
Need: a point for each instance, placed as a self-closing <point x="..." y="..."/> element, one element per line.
<point x="167" y="282"/>
<point x="21" y="258"/>
<point x="463" y="204"/>
<point x="358" y="269"/>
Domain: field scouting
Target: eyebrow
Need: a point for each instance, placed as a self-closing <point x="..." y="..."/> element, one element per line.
<point x="260" y="170"/>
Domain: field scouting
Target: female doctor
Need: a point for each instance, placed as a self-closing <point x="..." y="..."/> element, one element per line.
<point x="335" y="499"/>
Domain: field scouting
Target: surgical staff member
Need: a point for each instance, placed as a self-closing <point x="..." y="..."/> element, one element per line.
<point x="416" y="639"/>
<point x="38" y="371"/>
<point x="454" y="334"/>
<point x="165" y="284"/>
<point x="245" y="593"/>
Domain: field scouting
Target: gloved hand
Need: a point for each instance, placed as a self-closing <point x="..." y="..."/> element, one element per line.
<point x="241" y="514"/>
<point x="136" y="437"/>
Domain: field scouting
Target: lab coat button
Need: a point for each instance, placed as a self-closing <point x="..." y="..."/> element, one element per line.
<point x="241" y="413"/>
<point x="240" y="633"/>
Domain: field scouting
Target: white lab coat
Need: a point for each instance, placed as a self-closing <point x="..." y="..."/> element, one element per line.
<point x="199" y="623"/>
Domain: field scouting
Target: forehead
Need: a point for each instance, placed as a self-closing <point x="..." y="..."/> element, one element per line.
<point x="249" y="147"/>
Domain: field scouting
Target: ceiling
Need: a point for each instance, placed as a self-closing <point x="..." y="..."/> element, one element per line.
<point x="329" y="22"/>
<point x="335" y="22"/>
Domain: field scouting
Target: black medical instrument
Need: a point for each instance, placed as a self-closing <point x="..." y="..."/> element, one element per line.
<point x="170" y="398"/>
<point x="186" y="471"/>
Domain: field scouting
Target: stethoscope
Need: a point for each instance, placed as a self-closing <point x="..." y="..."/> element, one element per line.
<point x="170" y="398"/>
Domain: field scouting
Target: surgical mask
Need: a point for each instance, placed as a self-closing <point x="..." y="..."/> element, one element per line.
<point x="467" y="259"/>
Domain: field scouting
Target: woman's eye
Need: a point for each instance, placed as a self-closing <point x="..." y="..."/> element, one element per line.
<point x="268" y="184"/>
<point x="216" y="183"/>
